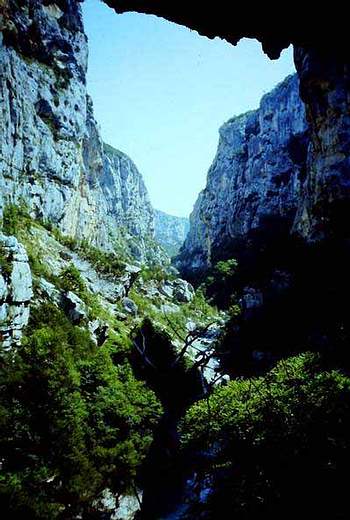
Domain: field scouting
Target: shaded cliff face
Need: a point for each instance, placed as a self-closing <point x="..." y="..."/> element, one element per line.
<point x="51" y="153"/>
<point x="256" y="178"/>
<point x="170" y="231"/>
<point x="324" y="210"/>
<point x="277" y="199"/>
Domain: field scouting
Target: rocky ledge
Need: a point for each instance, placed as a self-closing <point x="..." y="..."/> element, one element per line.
<point x="15" y="291"/>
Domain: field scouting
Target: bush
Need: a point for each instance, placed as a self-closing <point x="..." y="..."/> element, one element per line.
<point x="71" y="424"/>
<point x="107" y="263"/>
<point x="5" y="263"/>
<point x="156" y="273"/>
<point x="15" y="218"/>
<point x="219" y="285"/>
<point x="70" y="280"/>
<point x="275" y="444"/>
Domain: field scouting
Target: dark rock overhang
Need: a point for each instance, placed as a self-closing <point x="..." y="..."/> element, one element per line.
<point x="275" y="26"/>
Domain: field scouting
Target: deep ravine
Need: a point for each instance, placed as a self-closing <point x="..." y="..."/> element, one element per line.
<point x="178" y="385"/>
<point x="107" y="350"/>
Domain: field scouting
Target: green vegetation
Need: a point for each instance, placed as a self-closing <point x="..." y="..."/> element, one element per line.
<point x="5" y="263"/>
<point x="219" y="285"/>
<point x="109" y="263"/>
<point x="198" y="310"/>
<point x="156" y="273"/>
<point x="72" y="421"/>
<point x="15" y="218"/>
<point x="106" y="263"/>
<point x="70" y="280"/>
<point x="275" y="442"/>
<point x="75" y="420"/>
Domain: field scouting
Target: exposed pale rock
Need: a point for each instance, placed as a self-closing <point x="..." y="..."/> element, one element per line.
<point x="130" y="306"/>
<point x="128" y="505"/>
<point x="255" y="180"/>
<point x="169" y="308"/>
<point x="98" y="331"/>
<point x="49" y="290"/>
<point x="121" y="316"/>
<point x="170" y="231"/>
<point x="74" y="307"/>
<point x="167" y="289"/>
<point x="51" y="153"/>
<point x="183" y="291"/>
<point x="15" y="291"/>
<point x="151" y="291"/>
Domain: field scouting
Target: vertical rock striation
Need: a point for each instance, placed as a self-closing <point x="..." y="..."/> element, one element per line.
<point x="15" y="291"/>
<point x="324" y="208"/>
<point x="51" y="153"/>
<point x="170" y="231"/>
<point x="256" y="178"/>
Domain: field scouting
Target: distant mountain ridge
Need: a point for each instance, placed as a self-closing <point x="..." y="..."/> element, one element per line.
<point x="170" y="231"/>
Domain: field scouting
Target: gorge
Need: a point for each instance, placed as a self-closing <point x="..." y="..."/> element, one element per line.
<point x="136" y="385"/>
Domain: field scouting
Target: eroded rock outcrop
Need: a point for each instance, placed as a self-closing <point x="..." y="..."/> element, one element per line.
<point x="15" y="291"/>
<point x="324" y="209"/>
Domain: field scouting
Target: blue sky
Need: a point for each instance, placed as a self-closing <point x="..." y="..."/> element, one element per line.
<point x="161" y="92"/>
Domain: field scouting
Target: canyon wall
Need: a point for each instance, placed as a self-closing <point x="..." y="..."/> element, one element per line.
<point x="52" y="157"/>
<point x="170" y="231"/>
<point x="277" y="200"/>
<point x="256" y="178"/>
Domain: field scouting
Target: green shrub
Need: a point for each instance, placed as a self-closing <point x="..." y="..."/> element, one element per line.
<point x="220" y="284"/>
<point x="15" y="218"/>
<point x="107" y="263"/>
<point x="71" y="422"/>
<point x="156" y="273"/>
<point x="274" y="441"/>
<point x="70" y="280"/>
<point x="5" y="263"/>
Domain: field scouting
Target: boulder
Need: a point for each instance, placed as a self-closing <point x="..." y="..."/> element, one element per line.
<point x="49" y="290"/>
<point x="183" y="291"/>
<point x="74" y="307"/>
<point x="167" y="289"/>
<point x="169" y="308"/>
<point x="98" y="331"/>
<point x="130" y="306"/>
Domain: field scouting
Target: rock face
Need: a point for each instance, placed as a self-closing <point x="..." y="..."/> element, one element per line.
<point x="51" y="153"/>
<point x="15" y="291"/>
<point x="323" y="212"/>
<point x="277" y="200"/>
<point x="256" y="178"/>
<point x="74" y="307"/>
<point x="170" y="231"/>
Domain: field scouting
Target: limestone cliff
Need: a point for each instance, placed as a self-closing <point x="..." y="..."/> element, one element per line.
<point x="51" y="153"/>
<point x="15" y="291"/>
<point x="277" y="200"/>
<point x="257" y="177"/>
<point x="170" y="231"/>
